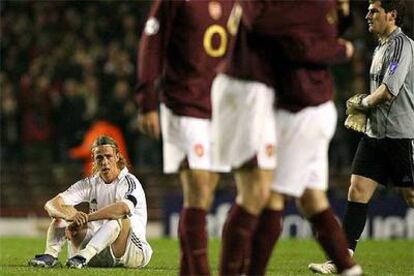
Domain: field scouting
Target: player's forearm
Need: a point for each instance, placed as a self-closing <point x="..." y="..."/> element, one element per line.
<point x="113" y="211"/>
<point x="57" y="209"/>
<point x="328" y="52"/>
<point x="380" y="95"/>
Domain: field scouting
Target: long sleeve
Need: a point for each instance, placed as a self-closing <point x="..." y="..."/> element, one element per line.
<point x="151" y="53"/>
<point x="314" y="50"/>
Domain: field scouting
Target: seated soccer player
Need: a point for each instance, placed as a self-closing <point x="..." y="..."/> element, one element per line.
<point x="113" y="232"/>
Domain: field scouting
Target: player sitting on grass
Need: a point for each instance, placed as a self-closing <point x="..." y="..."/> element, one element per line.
<point x="113" y="233"/>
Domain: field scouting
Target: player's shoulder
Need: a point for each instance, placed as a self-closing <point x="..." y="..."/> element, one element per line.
<point x="401" y="40"/>
<point x="129" y="179"/>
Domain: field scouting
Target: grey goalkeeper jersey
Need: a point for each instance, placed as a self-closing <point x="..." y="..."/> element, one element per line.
<point x="393" y="65"/>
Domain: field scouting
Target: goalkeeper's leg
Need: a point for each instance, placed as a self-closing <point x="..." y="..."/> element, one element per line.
<point x="359" y="194"/>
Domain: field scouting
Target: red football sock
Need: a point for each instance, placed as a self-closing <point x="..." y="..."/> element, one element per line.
<point x="236" y="239"/>
<point x="184" y="261"/>
<point x="264" y="238"/>
<point x="195" y="242"/>
<point x="332" y="239"/>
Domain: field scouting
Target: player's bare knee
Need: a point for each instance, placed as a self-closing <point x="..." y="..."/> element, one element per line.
<point x="312" y="202"/>
<point x="198" y="188"/>
<point x="357" y="193"/>
<point x="255" y="201"/>
<point x="276" y="201"/>
<point x="408" y="194"/>
<point x="361" y="189"/>
<point x="200" y="198"/>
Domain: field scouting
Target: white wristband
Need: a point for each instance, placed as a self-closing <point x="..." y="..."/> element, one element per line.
<point x="364" y="102"/>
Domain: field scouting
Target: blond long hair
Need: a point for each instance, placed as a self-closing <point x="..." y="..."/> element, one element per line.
<point x="108" y="140"/>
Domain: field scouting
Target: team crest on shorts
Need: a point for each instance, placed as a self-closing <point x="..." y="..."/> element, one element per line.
<point x="199" y="150"/>
<point x="270" y="150"/>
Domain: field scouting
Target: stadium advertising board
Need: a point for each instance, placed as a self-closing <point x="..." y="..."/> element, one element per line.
<point x="389" y="217"/>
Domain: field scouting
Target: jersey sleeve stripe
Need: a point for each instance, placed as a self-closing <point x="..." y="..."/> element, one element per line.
<point x="398" y="49"/>
<point x="136" y="241"/>
<point x="131" y="184"/>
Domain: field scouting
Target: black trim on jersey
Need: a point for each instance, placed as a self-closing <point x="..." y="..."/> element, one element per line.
<point x="131" y="184"/>
<point x="398" y="49"/>
<point x="135" y="240"/>
<point x="132" y="199"/>
<point x="388" y="113"/>
<point x="385" y="63"/>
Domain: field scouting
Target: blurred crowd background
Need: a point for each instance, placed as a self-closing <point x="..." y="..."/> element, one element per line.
<point x="67" y="64"/>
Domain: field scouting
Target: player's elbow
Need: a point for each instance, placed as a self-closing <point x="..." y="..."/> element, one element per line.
<point x="389" y="96"/>
<point x="48" y="206"/>
<point x="51" y="205"/>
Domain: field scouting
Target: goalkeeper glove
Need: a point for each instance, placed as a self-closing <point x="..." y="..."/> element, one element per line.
<point x="356" y="121"/>
<point x="357" y="104"/>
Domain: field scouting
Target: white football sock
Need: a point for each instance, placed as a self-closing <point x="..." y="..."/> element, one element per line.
<point x="55" y="238"/>
<point x="104" y="237"/>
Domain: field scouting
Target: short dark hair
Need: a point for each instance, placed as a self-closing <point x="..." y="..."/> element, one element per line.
<point x="390" y="5"/>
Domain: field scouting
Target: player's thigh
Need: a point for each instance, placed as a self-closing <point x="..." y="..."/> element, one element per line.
<point x="302" y="149"/>
<point x="370" y="161"/>
<point x="400" y="156"/>
<point x="243" y="122"/>
<point x="138" y="252"/>
<point x="187" y="140"/>
<point x="109" y="256"/>
<point x="120" y="244"/>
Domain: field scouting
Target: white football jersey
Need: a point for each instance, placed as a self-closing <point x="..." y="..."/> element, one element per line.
<point x="98" y="194"/>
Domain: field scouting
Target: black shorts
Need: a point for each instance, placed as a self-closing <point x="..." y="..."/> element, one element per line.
<point x="385" y="160"/>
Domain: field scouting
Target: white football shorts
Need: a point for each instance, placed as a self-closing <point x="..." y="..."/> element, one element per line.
<point x="187" y="137"/>
<point x="302" y="149"/>
<point x="243" y="122"/>
<point x="137" y="253"/>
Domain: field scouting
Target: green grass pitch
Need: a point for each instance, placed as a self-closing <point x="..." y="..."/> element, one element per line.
<point x="290" y="257"/>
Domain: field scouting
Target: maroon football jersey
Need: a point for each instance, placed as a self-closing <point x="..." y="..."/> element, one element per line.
<point x="182" y="44"/>
<point x="250" y="58"/>
<point x="300" y="42"/>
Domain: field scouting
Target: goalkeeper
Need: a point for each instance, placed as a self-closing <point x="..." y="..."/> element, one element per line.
<point x="386" y="116"/>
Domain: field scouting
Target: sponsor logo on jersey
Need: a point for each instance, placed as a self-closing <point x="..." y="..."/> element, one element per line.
<point x="199" y="150"/>
<point x="214" y="9"/>
<point x="393" y="67"/>
<point x="152" y="26"/>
